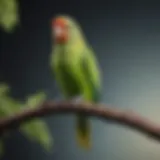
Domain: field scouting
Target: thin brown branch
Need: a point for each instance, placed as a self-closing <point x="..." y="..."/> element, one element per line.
<point x="122" y="117"/>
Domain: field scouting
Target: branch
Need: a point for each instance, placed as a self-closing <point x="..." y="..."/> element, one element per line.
<point x="127" y="118"/>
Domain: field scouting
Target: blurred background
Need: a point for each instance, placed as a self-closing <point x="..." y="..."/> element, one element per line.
<point x="125" y="36"/>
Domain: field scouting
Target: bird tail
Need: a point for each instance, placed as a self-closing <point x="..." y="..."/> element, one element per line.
<point x="83" y="132"/>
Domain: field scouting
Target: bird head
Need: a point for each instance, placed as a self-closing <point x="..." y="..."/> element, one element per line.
<point x="64" y="29"/>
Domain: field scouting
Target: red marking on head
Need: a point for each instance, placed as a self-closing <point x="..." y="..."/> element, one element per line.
<point x="60" y="23"/>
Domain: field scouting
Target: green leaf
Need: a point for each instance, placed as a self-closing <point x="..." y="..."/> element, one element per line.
<point x="9" y="15"/>
<point x="36" y="99"/>
<point x="9" y="106"/>
<point x="37" y="130"/>
<point x="4" y="89"/>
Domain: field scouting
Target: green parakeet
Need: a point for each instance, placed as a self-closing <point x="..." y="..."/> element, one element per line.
<point x="76" y="69"/>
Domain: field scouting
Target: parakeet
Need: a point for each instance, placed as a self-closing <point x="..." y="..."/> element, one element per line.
<point x="75" y="69"/>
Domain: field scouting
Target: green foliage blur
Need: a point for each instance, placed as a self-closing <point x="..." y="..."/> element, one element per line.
<point x="36" y="129"/>
<point x="9" y="15"/>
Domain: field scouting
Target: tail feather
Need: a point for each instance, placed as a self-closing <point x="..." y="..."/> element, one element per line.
<point x="83" y="132"/>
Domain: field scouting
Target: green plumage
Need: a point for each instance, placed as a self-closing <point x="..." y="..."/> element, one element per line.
<point x="77" y="73"/>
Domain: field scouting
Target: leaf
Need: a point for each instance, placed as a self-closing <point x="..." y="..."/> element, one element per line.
<point x="9" y="16"/>
<point x="4" y="89"/>
<point x="9" y="106"/>
<point x="37" y="130"/>
<point x="36" y="99"/>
